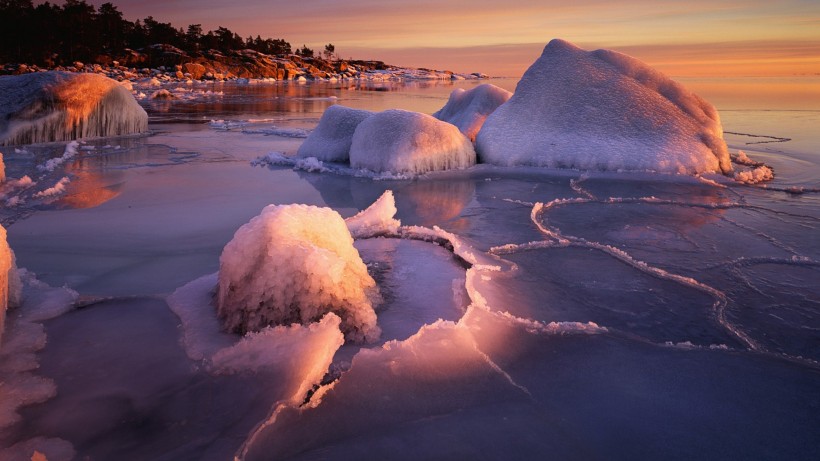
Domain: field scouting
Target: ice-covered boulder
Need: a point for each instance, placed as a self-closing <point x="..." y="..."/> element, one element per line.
<point x="330" y="141"/>
<point x="398" y="141"/>
<point x="293" y="264"/>
<point x="468" y="109"/>
<point x="10" y="286"/>
<point x="61" y="106"/>
<point x="603" y="110"/>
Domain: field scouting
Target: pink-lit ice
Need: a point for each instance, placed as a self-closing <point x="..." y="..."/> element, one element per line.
<point x="330" y="141"/>
<point x="10" y="286"/>
<point x="602" y="110"/>
<point x="403" y="142"/>
<point x="294" y="264"/>
<point x="61" y="106"/>
<point x="377" y="219"/>
<point x="468" y="109"/>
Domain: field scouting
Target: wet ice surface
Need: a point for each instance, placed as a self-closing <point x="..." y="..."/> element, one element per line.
<point x="705" y="297"/>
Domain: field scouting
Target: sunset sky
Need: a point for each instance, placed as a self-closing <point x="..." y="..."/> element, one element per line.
<point x="682" y="38"/>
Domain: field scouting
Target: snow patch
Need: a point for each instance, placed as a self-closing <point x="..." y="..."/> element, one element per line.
<point x="755" y="175"/>
<point x="56" y="189"/>
<point x="71" y="149"/>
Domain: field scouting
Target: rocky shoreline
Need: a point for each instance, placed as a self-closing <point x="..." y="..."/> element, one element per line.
<point x="168" y="63"/>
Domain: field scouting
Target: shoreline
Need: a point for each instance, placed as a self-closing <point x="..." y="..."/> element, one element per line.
<point x="171" y="65"/>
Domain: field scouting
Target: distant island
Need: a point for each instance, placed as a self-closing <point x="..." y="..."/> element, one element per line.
<point x="77" y="37"/>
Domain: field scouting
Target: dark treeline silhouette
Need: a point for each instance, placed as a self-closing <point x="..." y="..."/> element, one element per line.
<point x="49" y="34"/>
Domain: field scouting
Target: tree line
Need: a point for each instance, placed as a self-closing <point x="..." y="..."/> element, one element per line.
<point x="49" y="34"/>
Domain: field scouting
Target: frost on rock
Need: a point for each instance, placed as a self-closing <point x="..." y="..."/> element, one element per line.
<point x="377" y="219"/>
<point x="293" y="264"/>
<point x="398" y="141"/>
<point x="468" y="109"/>
<point x="602" y="110"/>
<point x="61" y="106"/>
<point x="330" y="141"/>
<point x="10" y="285"/>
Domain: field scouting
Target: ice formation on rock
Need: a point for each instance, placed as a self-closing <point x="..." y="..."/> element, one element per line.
<point x="398" y="141"/>
<point x="330" y="141"/>
<point x="60" y="106"/>
<point x="10" y="286"/>
<point x="468" y="109"/>
<point x="602" y="110"/>
<point x="305" y="352"/>
<point x="294" y="264"/>
<point x="377" y="219"/>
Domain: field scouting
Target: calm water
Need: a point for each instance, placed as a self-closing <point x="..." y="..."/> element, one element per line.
<point x="706" y="298"/>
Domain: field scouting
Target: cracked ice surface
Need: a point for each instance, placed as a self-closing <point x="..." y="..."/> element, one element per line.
<point x="527" y="312"/>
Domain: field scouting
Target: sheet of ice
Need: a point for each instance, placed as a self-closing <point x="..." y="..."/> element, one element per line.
<point x="652" y="385"/>
<point x="294" y="264"/>
<point x="39" y="449"/>
<point x="399" y="141"/>
<point x="330" y="141"/>
<point x="202" y="332"/>
<point x="602" y="110"/>
<point x="276" y="346"/>
<point x="20" y="385"/>
<point x="61" y="106"/>
<point x="467" y="109"/>
<point x="377" y="219"/>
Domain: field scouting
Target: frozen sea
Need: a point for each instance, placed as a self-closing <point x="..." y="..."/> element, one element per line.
<point x="569" y="314"/>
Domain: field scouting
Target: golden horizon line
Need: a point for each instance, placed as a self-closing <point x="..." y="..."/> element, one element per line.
<point x="750" y="58"/>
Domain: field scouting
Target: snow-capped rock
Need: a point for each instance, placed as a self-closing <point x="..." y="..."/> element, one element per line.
<point x="603" y="110"/>
<point x="402" y="142"/>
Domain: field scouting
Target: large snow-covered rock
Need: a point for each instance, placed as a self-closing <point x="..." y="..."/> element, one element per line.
<point x="330" y="141"/>
<point x="61" y="106"/>
<point x="10" y="286"/>
<point x="468" y="109"/>
<point x="603" y="110"/>
<point x="398" y="141"/>
<point x="293" y="264"/>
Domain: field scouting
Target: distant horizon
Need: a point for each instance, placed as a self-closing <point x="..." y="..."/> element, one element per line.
<point x="693" y="38"/>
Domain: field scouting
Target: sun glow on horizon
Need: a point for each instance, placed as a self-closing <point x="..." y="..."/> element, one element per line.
<point x="683" y="38"/>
